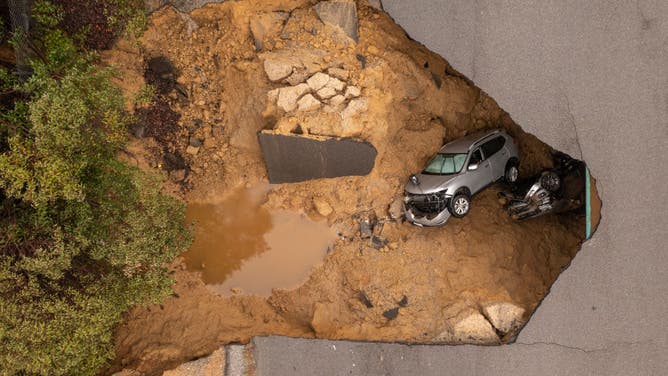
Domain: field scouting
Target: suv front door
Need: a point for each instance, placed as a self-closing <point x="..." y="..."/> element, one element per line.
<point x="481" y="176"/>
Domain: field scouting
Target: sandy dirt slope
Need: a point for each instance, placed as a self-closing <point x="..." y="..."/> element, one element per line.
<point x="444" y="285"/>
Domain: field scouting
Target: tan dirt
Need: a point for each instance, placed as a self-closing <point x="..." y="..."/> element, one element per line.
<point x="443" y="272"/>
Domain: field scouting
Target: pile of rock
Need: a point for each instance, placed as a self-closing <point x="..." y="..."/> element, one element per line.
<point x="320" y="89"/>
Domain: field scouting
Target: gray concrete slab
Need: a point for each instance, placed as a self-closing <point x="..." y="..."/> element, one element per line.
<point x="591" y="79"/>
<point x="278" y="356"/>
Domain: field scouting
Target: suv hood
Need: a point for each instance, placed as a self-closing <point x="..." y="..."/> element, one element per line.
<point x="429" y="183"/>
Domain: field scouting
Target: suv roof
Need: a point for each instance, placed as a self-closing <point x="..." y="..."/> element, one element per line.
<point x="464" y="144"/>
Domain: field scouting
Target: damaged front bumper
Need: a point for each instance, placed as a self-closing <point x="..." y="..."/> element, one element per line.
<point x="428" y="209"/>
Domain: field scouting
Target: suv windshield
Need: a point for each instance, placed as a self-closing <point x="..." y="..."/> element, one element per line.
<point x="445" y="164"/>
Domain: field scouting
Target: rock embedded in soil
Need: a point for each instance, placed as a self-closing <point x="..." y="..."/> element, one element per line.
<point x="322" y="207"/>
<point x="505" y="317"/>
<point x="341" y="14"/>
<point x="470" y="327"/>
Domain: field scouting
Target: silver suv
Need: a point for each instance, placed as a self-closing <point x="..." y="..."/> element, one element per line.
<point x="461" y="169"/>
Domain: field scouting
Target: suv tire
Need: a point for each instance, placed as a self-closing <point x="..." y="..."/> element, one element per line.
<point x="512" y="173"/>
<point x="460" y="205"/>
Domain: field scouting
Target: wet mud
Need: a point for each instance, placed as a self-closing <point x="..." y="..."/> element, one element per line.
<point x="242" y="247"/>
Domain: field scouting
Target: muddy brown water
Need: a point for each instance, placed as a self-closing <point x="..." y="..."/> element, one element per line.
<point x="240" y="244"/>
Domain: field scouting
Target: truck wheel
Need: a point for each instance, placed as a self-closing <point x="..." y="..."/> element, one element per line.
<point x="460" y="205"/>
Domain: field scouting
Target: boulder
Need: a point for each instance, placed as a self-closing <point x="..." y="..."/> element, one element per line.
<point x="308" y="103"/>
<point x="337" y="100"/>
<point x="318" y="81"/>
<point x="353" y="92"/>
<point x="341" y="14"/>
<point x="326" y="92"/>
<point x="339" y="73"/>
<point x="505" y="317"/>
<point x="336" y="84"/>
<point x="281" y="64"/>
<point x="470" y="326"/>
<point x="278" y="69"/>
<point x="288" y="96"/>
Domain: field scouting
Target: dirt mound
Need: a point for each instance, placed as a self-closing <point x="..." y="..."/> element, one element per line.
<point x="409" y="284"/>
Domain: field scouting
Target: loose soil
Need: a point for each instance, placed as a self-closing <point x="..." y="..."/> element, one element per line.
<point x="414" y="288"/>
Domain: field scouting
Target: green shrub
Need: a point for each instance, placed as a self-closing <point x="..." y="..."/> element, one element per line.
<point x="83" y="236"/>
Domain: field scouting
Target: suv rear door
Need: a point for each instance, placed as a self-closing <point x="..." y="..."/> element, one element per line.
<point x="496" y="155"/>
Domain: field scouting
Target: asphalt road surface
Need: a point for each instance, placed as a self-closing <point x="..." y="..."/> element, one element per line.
<point x="590" y="78"/>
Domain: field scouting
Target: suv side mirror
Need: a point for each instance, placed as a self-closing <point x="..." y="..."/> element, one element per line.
<point x="473" y="166"/>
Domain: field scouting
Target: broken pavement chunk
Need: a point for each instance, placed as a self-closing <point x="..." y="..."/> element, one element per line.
<point x="293" y="158"/>
<point x="341" y="14"/>
<point x="474" y="328"/>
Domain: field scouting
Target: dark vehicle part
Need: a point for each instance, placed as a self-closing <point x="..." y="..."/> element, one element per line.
<point x="553" y="191"/>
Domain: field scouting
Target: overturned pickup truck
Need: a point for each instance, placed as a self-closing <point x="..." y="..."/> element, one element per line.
<point x="557" y="190"/>
<point x="461" y="169"/>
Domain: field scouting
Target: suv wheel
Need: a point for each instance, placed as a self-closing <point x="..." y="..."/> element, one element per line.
<point x="512" y="173"/>
<point x="460" y="205"/>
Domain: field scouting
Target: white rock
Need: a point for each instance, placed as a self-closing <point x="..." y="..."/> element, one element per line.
<point x="298" y="77"/>
<point x="336" y="84"/>
<point x="339" y="73"/>
<point x="337" y="100"/>
<point x="326" y="92"/>
<point x="504" y="316"/>
<point x="474" y="328"/>
<point x="353" y="92"/>
<point x="318" y="81"/>
<point x="322" y="207"/>
<point x="288" y="96"/>
<point x="354" y="107"/>
<point x="309" y="103"/>
<point x="278" y="69"/>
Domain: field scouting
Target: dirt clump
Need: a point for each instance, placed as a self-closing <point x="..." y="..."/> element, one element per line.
<point x="396" y="283"/>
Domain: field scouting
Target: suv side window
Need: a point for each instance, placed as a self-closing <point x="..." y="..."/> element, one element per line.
<point x="476" y="157"/>
<point x="492" y="146"/>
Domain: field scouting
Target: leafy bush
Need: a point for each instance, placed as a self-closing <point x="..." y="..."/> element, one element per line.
<point x="83" y="236"/>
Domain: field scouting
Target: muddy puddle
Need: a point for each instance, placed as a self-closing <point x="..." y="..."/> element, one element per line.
<point x="239" y="244"/>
